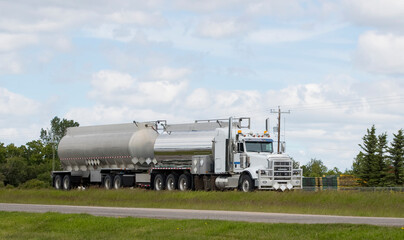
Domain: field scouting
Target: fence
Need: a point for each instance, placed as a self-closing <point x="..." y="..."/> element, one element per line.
<point x="357" y="189"/>
<point x="343" y="183"/>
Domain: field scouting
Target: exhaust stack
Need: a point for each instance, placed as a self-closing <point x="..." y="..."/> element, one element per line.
<point x="230" y="165"/>
<point x="267" y="125"/>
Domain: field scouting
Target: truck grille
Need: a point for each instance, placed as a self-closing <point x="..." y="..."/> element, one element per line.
<point x="282" y="170"/>
<point x="282" y="174"/>
<point x="282" y="163"/>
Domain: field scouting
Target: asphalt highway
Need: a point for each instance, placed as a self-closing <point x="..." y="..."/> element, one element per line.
<point x="161" y="213"/>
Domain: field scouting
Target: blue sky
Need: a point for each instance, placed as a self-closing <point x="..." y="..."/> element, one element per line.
<point x="337" y="65"/>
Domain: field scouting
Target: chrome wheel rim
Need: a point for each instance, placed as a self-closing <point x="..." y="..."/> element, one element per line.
<point x="58" y="183"/>
<point x="246" y="186"/>
<point x="107" y="183"/>
<point x="170" y="184"/>
<point x="183" y="184"/>
<point x="117" y="184"/>
<point x="158" y="184"/>
<point x="65" y="183"/>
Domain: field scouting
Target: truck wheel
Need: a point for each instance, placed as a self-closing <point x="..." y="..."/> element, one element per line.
<point x="117" y="182"/>
<point x="172" y="182"/>
<point x="58" y="182"/>
<point x="246" y="183"/>
<point x="67" y="184"/>
<point x="159" y="182"/>
<point x="184" y="182"/>
<point x="108" y="182"/>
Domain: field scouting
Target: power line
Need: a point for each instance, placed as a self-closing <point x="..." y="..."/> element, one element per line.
<point x="333" y="104"/>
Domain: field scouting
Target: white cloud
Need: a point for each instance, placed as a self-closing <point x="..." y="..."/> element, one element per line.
<point x="285" y="8"/>
<point x="112" y="87"/>
<point x="207" y="5"/>
<point x="11" y="42"/>
<point x="380" y="53"/>
<point x="13" y="104"/>
<point x="10" y="63"/>
<point x="102" y="114"/>
<point x="140" y="18"/>
<point x="214" y="28"/>
<point x="167" y="73"/>
<point x="384" y="14"/>
<point x="270" y="36"/>
<point x="199" y="99"/>
<point x="19" y="117"/>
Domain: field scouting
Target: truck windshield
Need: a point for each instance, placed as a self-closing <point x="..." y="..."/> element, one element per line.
<point x="259" y="146"/>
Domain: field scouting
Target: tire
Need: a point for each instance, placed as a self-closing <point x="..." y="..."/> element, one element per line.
<point x="246" y="183"/>
<point x="67" y="184"/>
<point x="184" y="182"/>
<point x="57" y="182"/>
<point x="172" y="182"/>
<point x="159" y="182"/>
<point x="117" y="182"/>
<point x="107" y="182"/>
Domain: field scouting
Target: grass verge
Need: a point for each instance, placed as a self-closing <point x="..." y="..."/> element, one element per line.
<point x="81" y="226"/>
<point x="376" y="204"/>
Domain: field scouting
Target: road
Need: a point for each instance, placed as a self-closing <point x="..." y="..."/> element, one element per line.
<point x="202" y="214"/>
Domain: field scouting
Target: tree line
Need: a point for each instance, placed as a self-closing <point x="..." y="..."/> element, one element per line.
<point x="30" y="165"/>
<point x="378" y="164"/>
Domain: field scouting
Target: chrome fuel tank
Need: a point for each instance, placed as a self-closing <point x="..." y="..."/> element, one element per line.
<point x="183" y="145"/>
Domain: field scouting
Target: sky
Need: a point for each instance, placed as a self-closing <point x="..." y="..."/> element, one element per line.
<point x="338" y="66"/>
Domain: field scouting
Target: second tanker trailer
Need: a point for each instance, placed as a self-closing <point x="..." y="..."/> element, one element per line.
<point x="205" y="155"/>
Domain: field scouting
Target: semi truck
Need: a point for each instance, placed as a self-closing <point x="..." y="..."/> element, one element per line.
<point x="215" y="154"/>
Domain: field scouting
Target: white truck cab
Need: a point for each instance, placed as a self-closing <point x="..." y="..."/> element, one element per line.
<point x="255" y="156"/>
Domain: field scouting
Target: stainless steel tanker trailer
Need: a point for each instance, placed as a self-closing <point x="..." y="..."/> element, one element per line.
<point x="204" y="155"/>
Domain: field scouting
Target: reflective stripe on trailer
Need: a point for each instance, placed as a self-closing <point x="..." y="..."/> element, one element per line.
<point x="169" y="168"/>
<point x="165" y="168"/>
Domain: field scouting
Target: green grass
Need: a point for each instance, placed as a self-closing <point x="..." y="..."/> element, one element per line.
<point x="377" y="204"/>
<point x="81" y="226"/>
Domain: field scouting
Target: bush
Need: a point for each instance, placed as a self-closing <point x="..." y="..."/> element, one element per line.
<point x="1" y="184"/>
<point x="46" y="178"/>
<point x="34" y="183"/>
<point x="9" y="186"/>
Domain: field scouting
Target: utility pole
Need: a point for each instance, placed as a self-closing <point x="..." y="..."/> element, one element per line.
<point x="53" y="149"/>
<point x="279" y="124"/>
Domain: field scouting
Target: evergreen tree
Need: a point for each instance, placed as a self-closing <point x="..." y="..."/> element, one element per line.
<point x="358" y="164"/>
<point x="396" y="152"/>
<point x="370" y="149"/>
<point x="379" y="167"/>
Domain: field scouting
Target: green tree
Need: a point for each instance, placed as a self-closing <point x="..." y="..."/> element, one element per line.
<point x="314" y="168"/>
<point x="14" y="171"/>
<point x="357" y="164"/>
<point x="369" y="161"/>
<point x="58" y="130"/>
<point x="334" y="171"/>
<point x="396" y="152"/>
<point x="14" y="151"/>
<point x="3" y="153"/>
<point x="36" y="153"/>
<point x="379" y="167"/>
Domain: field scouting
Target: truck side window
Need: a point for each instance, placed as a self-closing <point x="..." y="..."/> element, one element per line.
<point x="240" y="147"/>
